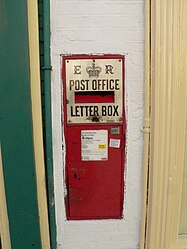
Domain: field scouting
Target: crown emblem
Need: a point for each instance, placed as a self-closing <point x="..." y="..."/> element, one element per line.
<point x="93" y="71"/>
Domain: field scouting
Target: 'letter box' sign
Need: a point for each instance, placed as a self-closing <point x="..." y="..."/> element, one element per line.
<point x="94" y="90"/>
<point x="94" y="125"/>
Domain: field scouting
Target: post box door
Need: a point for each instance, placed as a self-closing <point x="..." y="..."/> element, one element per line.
<point x="95" y="188"/>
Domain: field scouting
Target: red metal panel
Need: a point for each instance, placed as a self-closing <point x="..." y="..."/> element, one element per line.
<point x="95" y="189"/>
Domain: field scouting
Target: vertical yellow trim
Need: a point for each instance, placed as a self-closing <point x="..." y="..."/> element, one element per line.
<point x="4" y="224"/>
<point x="168" y="120"/>
<point x="183" y="215"/>
<point x="180" y="149"/>
<point x="146" y="129"/>
<point x="37" y="120"/>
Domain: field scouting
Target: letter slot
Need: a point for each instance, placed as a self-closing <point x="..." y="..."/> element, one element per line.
<point x="94" y="97"/>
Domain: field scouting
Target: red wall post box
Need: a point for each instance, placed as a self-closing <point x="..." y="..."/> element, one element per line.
<point x="94" y="128"/>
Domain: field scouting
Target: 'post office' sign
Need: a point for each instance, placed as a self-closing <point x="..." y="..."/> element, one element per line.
<point x="94" y="89"/>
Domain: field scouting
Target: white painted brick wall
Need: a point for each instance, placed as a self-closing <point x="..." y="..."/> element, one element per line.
<point x="101" y="26"/>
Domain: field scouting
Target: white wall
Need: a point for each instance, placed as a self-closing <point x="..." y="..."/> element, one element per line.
<point x="101" y="26"/>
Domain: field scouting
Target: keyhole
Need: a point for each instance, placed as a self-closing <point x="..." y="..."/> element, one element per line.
<point x="95" y="119"/>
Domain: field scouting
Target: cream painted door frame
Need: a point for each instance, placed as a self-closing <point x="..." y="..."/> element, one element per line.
<point x="37" y="120"/>
<point x="168" y="77"/>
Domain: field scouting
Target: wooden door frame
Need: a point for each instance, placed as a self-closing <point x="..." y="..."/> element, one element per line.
<point x="165" y="162"/>
<point x="36" y="102"/>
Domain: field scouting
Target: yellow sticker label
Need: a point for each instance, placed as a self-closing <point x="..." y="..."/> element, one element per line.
<point x="101" y="146"/>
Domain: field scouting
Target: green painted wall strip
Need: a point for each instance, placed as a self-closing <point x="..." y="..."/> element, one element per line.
<point x="44" y="24"/>
<point x="16" y="126"/>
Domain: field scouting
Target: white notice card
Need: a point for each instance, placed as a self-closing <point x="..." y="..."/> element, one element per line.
<point x="115" y="143"/>
<point x="94" y="145"/>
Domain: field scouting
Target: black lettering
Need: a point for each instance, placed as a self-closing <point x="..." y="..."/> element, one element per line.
<point x="77" y="69"/>
<point x="71" y="84"/>
<point x="82" y="85"/>
<point x="86" y="84"/>
<point x="116" y="111"/>
<point x="77" y="85"/>
<point x="91" y="111"/>
<point x="103" y="84"/>
<point x="106" y="87"/>
<point x="111" y="85"/>
<point x="96" y="111"/>
<point x="110" y="111"/>
<point x="99" y="84"/>
<point x="81" y="110"/>
<point x="72" y="114"/>
<point x="108" y="69"/>
<point x="104" y="113"/>
<point x="94" y="85"/>
<point x="77" y="111"/>
<point x="87" y="107"/>
<point x="117" y="84"/>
